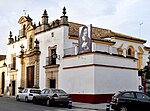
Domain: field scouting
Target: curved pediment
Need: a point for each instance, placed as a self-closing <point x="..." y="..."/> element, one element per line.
<point x="29" y="27"/>
<point x="24" y="19"/>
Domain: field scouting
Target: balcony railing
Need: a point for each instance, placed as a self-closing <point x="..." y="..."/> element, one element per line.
<point x="98" y="48"/>
<point x="12" y="66"/>
<point x="50" y="60"/>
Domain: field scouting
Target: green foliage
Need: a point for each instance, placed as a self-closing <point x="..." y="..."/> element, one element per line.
<point x="147" y="72"/>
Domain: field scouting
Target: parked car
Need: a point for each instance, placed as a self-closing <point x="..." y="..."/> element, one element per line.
<point x="27" y="94"/>
<point x="130" y="100"/>
<point x="52" y="96"/>
<point x="148" y="92"/>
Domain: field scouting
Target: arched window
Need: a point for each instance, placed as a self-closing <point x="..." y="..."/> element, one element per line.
<point x="130" y="51"/>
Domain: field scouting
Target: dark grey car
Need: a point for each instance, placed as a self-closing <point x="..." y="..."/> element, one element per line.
<point x="130" y="101"/>
<point x="52" y="96"/>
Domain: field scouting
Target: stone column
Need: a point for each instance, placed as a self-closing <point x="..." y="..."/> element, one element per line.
<point x="22" y="73"/>
<point x="22" y="80"/>
<point x="139" y="63"/>
<point x="36" y="75"/>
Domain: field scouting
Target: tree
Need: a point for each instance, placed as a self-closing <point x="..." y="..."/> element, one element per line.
<point x="147" y="69"/>
<point x="147" y="72"/>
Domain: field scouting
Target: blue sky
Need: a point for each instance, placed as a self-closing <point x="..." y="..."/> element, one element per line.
<point x="123" y="16"/>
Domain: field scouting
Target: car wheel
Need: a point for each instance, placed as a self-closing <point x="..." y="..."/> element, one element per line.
<point x="65" y="105"/>
<point x="34" y="100"/>
<point x="26" y="99"/>
<point x="17" y="98"/>
<point x="123" y="108"/>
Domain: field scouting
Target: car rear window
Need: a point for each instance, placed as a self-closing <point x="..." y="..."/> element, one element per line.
<point x="59" y="91"/>
<point x="35" y="91"/>
<point x="116" y="94"/>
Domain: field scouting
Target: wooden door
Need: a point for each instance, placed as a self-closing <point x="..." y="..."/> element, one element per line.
<point x="13" y="87"/>
<point x="30" y="76"/>
<point x="52" y="83"/>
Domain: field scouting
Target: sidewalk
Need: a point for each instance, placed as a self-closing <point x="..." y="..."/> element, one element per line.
<point x="99" y="107"/>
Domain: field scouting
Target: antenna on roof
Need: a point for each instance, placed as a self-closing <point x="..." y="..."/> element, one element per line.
<point x="140" y="29"/>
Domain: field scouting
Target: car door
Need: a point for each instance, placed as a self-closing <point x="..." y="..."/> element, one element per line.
<point x="21" y="94"/>
<point x="46" y="94"/>
<point x="24" y="94"/>
<point x="143" y="101"/>
<point x="128" y="99"/>
<point x="40" y="96"/>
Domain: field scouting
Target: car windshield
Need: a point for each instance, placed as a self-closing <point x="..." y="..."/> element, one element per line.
<point x="142" y="96"/>
<point x="35" y="91"/>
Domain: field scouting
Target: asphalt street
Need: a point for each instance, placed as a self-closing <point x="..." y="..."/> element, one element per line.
<point x="10" y="104"/>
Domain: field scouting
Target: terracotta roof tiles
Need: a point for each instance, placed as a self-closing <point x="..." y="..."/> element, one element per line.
<point x="100" y="33"/>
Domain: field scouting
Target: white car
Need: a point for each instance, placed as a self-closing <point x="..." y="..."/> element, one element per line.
<point x="27" y="94"/>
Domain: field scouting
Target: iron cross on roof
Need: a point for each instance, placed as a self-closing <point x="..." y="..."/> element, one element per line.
<point x="25" y="12"/>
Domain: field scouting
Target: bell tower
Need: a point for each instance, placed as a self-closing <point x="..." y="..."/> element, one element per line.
<point x="24" y="21"/>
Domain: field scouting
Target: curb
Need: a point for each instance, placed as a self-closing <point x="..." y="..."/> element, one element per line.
<point x="7" y="96"/>
<point x="88" y="108"/>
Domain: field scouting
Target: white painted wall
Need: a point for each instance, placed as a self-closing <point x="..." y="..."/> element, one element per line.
<point x="15" y="49"/>
<point x="105" y="59"/>
<point x="78" y="80"/>
<point x="78" y="60"/>
<point x="3" y="69"/>
<point x="136" y="46"/>
<point x="104" y="80"/>
<point x="111" y="80"/>
<point x="45" y="41"/>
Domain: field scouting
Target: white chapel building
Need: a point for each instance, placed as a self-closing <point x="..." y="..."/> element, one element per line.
<point x="47" y="55"/>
